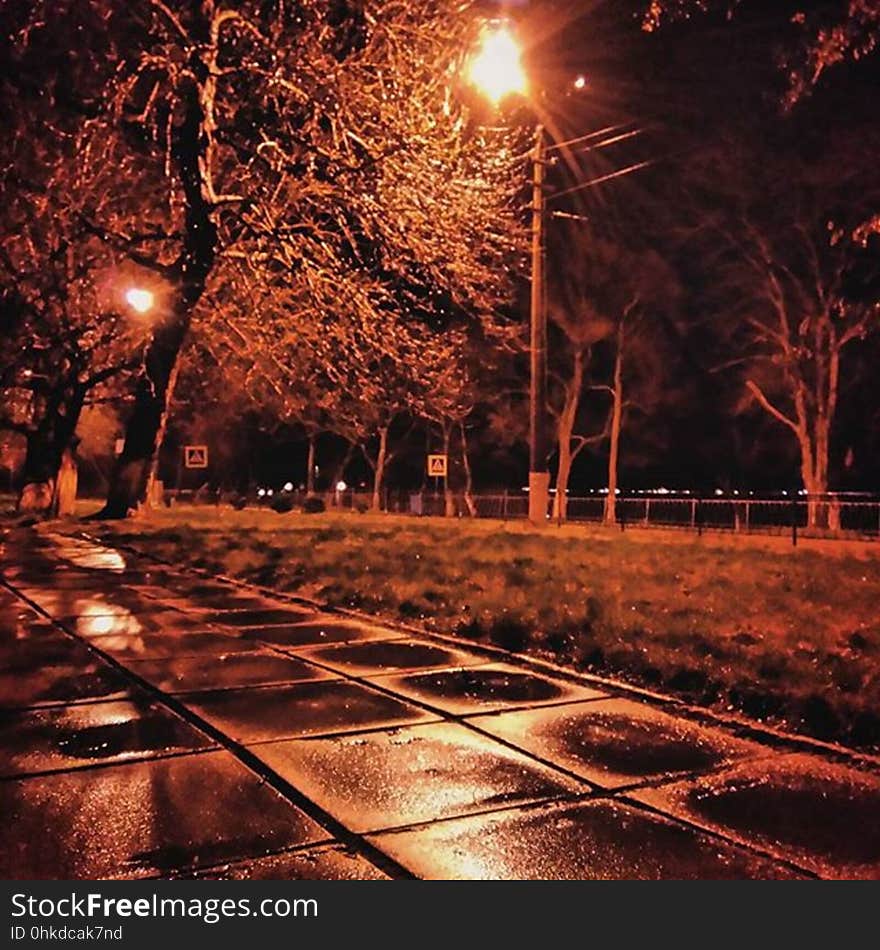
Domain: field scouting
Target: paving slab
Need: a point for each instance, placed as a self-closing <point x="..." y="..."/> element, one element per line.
<point x="598" y="840"/>
<point x="154" y="645"/>
<point x="278" y="712"/>
<point x="330" y="863"/>
<point x="319" y="630"/>
<point x="144" y="818"/>
<point x="618" y="742"/>
<point x="197" y="674"/>
<point x="387" y="656"/>
<point x="416" y="774"/>
<point x="79" y="735"/>
<point x="821" y="815"/>
<point x="484" y="688"/>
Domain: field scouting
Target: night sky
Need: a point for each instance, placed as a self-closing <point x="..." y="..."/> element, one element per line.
<point x="690" y="85"/>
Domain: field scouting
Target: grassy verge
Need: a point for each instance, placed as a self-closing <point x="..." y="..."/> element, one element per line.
<point x="782" y="635"/>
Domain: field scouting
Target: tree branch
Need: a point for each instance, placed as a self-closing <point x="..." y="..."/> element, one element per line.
<point x="765" y="403"/>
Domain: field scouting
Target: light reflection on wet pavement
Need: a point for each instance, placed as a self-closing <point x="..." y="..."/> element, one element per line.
<point x="157" y="722"/>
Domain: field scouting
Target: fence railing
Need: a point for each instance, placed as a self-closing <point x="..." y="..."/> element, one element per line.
<point x="835" y="516"/>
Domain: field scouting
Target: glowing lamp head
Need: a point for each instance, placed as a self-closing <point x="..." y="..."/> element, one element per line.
<point x="580" y="82"/>
<point x="139" y="299"/>
<point x="496" y="69"/>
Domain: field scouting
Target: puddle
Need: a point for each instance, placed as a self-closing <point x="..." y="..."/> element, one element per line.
<point x="150" y="734"/>
<point x="630" y="746"/>
<point x="49" y="684"/>
<point x="310" y="633"/>
<point x="482" y="685"/>
<point x="818" y="815"/>
<point x="387" y="654"/>
<point x="65" y="737"/>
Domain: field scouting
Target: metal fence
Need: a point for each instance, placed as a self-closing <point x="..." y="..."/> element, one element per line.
<point x="833" y="516"/>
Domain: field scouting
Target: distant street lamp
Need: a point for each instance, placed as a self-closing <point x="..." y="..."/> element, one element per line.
<point x="496" y="70"/>
<point x="139" y="299"/>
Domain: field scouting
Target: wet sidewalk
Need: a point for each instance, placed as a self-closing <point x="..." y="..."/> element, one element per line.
<point x="157" y="722"/>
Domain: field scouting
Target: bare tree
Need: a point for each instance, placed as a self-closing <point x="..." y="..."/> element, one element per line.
<point x="796" y="291"/>
<point x="606" y="294"/>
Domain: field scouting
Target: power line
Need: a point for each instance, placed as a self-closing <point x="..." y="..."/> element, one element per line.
<point x="602" y="178"/>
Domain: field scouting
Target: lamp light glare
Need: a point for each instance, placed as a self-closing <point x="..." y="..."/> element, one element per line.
<point x="497" y="68"/>
<point x="139" y="299"/>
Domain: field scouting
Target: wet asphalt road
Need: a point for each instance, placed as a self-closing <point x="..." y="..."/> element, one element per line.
<point x="154" y="722"/>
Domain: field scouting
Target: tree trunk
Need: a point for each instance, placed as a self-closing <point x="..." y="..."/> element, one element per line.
<point x="614" y="434"/>
<point x="814" y="448"/>
<point x="339" y="475"/>
<point x="567" y="419"/>
<point x="379" y="473"/>
<point x="560" y="499"/>
<point x="468" y="474"/>
<point x="448" y="496"/>
<point x="136" y="466"/>
<point x="310" y="464"/>
<point x="49" y="477"/>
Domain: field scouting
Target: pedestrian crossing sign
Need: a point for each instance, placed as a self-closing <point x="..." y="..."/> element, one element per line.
<point x="195" y="456"/>
<point x="437" y="466"/>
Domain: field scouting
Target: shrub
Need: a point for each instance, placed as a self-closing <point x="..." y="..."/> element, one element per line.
<point x="282" y="503"/>
<point x="510" y="634"/>
<point x="313" y="505"/>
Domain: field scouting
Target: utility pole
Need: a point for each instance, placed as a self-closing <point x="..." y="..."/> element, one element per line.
<point x="539" y="476"/>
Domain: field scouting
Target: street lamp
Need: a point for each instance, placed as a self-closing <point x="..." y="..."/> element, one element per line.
<point x="496" y="70"/>
<point x="139" y="299"/>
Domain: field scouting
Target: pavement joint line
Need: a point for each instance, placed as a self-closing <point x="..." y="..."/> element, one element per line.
<point x="374" y="729"/>
<point x="738" y="727"/>
<point x="756" y="849"/>
<point x="331" y="844"/>
<point x="591" y="789"/>
<point x="591" y="792"/>
<point x="728" y="721"/>
<point x="50" y="705"/>
<point x="505" y="807"/>
<point x="284" y="788"/>
<point x="587" y="798"/>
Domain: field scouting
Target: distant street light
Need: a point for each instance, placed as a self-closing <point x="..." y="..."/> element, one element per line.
<point x="139" y="299"/>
